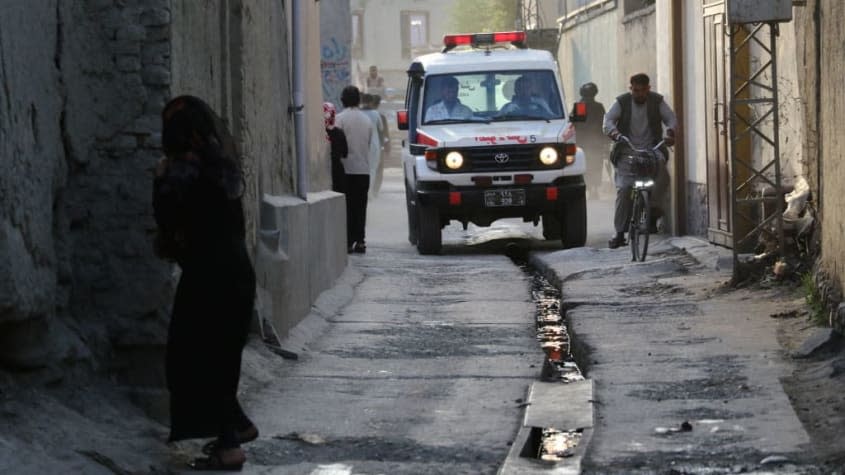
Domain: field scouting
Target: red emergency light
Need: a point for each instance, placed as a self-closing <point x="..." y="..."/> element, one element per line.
<point x="517" y="38"/>
<point x="450" y="41"/>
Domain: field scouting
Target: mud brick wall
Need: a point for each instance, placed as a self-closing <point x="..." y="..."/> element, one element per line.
<point x="82" y="84"/>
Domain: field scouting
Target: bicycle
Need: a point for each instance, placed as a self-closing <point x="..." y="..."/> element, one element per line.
<point x="644" y="163"/>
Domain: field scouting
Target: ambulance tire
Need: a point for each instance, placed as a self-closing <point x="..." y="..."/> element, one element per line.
<point x="574" y="219"/>
<point x="413" y="219"/>
<point x="551" y="226"/>
<point x="429" y="237"/>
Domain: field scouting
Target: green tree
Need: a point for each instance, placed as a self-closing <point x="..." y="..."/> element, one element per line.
<point x="476" y="16"/>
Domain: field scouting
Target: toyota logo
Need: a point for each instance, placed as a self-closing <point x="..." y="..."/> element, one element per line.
<point x="501" y="157"/>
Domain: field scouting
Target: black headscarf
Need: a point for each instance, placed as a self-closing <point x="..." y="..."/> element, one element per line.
<point x="190" y="126"/>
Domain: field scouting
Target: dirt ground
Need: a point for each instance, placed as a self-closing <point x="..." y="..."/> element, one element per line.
<point x="817" y="388"/>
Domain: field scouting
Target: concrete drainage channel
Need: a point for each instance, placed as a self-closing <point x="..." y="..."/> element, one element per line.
<point x="558" y="420"/>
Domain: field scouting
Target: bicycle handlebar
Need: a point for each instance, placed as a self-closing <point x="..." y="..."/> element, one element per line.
<point x="653" y="149"/>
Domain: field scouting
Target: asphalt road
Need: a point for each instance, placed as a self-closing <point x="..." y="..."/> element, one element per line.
<point x="423" y="367"/>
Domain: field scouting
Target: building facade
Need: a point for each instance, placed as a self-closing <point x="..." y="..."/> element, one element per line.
<point x="684" y="47"/>
<point x="389" y="33"/>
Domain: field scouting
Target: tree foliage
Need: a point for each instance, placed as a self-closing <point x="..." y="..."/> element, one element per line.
<point x="474" y="16"/>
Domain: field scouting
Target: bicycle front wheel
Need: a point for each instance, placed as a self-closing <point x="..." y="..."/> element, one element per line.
<point x="639" y="230"/>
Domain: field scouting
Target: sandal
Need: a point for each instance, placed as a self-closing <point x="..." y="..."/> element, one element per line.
<point x="214" y="463"/>
<point x="244" y="436"/>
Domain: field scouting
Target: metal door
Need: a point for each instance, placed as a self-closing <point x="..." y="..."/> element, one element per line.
<point x="717" y="97"/>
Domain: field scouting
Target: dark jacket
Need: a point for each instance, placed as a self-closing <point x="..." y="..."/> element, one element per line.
<point x="655" y="121"/>
<point x="338" y="150"/>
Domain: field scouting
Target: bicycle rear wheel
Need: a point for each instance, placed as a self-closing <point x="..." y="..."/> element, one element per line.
<point x="638" y="231"/>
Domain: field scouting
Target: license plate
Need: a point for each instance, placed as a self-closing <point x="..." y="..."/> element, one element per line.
<point x="498" y="198"/>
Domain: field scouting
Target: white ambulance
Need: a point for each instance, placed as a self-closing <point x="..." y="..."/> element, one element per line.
<point x="489" y="137"/>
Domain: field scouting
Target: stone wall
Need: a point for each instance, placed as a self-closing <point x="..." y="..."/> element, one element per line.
<point x="234" y="54"/>
<point x="82" y="85"/>
<point x="821" y="53"/>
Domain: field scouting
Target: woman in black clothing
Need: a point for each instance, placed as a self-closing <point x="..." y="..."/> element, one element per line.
<point x="338" y="147"/>
<point x="197" y="203"/>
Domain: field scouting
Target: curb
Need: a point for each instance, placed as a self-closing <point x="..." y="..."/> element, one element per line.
<point x="562" y="406"/>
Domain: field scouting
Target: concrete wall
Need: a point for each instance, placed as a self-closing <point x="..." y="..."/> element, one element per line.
<point x="335" y="54"/>
<point x="694" y="126"/>
<point x="637" y="52"/>
<point x="791" y="104"/>
<point x="249" y="75"/>
<point x="82" y="84"/>
<point x="583" y="57"/>
<point x="606" y="47"/>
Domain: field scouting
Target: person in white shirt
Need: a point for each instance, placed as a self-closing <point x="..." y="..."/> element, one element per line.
<point x="525" y="101"/>
<point x="376" y="144"/>
<point x="449" y="106"/>
<point x="360" y="132"/>
<point x="639" y="115"/>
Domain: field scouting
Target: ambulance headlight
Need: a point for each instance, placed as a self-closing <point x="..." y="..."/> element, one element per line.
<point x="548" y="156"/>
<point x="454" y="160"/>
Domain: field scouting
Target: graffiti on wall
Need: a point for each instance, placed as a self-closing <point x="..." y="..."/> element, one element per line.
<point x="335" y="68"/>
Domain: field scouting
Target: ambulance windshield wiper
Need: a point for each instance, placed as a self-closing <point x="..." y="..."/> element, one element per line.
<point x="458" y="121"/>
<point x="506" y="117"/>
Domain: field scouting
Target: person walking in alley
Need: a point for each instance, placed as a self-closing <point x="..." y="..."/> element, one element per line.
<point x="591" y="138"/>
<point x="375" y="143"/>
<point x="385" y="144"/>
<point x="640" y="116"/>
<point x="374" y="81"/>
<point x="338" y="148"/>
<point x="370" y="104"/>
<point x="197" y="206"/>
<point x="360" y="132"/>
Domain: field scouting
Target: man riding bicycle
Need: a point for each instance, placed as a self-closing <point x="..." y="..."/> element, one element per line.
<point x="640" y="116"/>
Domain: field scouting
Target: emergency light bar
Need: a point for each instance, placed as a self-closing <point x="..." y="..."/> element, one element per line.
<point x="516" y="38"/>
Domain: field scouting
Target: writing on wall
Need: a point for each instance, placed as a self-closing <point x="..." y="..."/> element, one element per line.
<point x="335" y="68"/>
